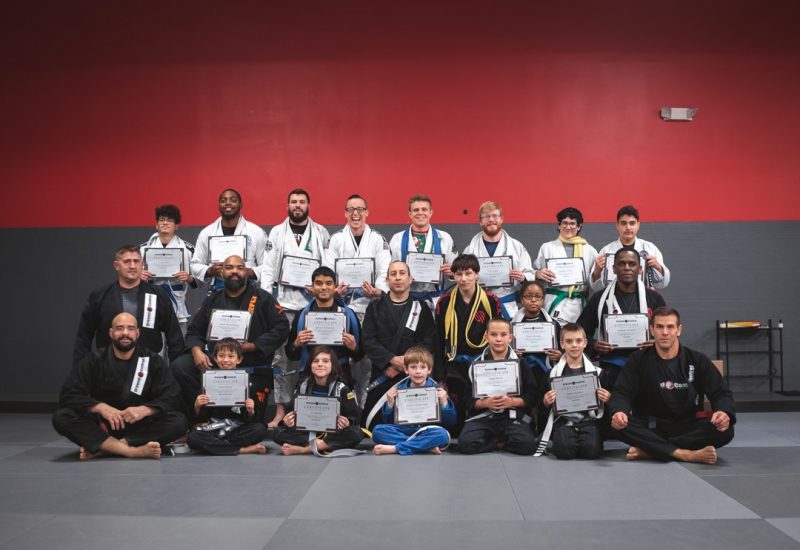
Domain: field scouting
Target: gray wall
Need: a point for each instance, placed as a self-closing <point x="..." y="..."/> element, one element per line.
<point x="738" y="271"/>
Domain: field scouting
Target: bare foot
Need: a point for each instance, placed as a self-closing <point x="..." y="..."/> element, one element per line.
<point x="287" y="449"/>
<point x="83" y="454"/>
<point x="637" y="454"/>
<point x="384" y="450"/>
<point x="257" y="449"/>
<point x="706" y="455"/>
<point x="435" y="451"/>
<point x="148" y="450"/>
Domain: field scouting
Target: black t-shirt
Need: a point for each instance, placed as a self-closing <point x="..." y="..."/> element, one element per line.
<point x="130" y="297"/>
<point x="298" y="231"/>
<point x="673" y="386"/>
<point x="228" y="231"/>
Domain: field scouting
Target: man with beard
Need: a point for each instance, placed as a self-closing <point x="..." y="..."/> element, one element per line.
<point x="626" y="294"/>
<point x="121" y="400"/>
<point x="657" y="402"/>
<point x="298" y="236"/>
<point x="656" y="274"/>
<point x="422" y="237"/>
<point x="268" y="330"/>
<point x="493" y="241"/>
<point x="231" y="222"/>
<point x="392" y="324"/>
<point x="358" y="240"/>
<point x="147" y="303"/>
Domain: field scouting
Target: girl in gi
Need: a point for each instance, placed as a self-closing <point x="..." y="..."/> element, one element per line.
<point x="407" y="439"/>
<point x="324" y="381"/>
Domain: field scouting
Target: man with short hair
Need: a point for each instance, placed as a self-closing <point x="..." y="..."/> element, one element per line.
<point x="297" y="236"/>
<point x="359" y="240"/>
<point x="268" y="329"/>
<point x="657" y="402"/>
<point x="626" y="294"/>
<point x="494" y="241"/>
<point x="148" y="304"/>
<point x="168" y="219"/>
<point x="392" y="324"/>
<point x="564" y="303"/>
<point x="231" y="222"/>
<point x="656" y="274"/>
<point x="121" y="400"/>
<point x="421" y="236"/>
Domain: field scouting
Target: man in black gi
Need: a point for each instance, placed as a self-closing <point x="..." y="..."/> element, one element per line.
<point x="392" y="324"/>
<point x="657" y="402"/>
<point x="268" y="330"/>
<point x="151" y="308"/>
<point x="121" y="400"/>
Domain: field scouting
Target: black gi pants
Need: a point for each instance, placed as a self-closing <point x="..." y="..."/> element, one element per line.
<point x="343" y="439"/>
<point x="580" y="440"/>
<point x="483" y="434"/>
<point x="667" y="436"/>
<point x="91" y="430"/>
<point x="210" y="442"/>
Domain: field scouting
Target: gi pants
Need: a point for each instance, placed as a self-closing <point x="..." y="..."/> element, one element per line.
<point x="211" y="442"/>
<point x="496" y="431"/>
<point x="90" y="430"/>
<point x="429" y="438"/>
<point x="286" y="370"/>
<point x="343" y="439"/>
<point x="667" y="436"/>
<point x="578" y="440"/>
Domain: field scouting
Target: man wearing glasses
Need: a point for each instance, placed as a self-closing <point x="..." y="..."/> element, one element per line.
<point x="564" y="302"/>
<point x="168" y="218"/>
<point x="494" y="242"/>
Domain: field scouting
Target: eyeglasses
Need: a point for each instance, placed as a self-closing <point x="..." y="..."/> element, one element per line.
<point x="492" y="217"/>
<point x="166" y="220"/>
<point x="359" y="209"/>
<point x="568" y="224"/>
<point x="533" y="297"/>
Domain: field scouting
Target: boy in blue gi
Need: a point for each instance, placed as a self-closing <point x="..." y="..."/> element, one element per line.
<point x="408" y="439"/>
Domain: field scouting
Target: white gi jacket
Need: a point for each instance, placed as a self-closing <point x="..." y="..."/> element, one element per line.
<point x="281" y="243"/>
<point x="373" y="245"/>
<point x="177" y="289"/>
<point x="569" y="309"/>
<point x="652" y="278"/>
<point x="256" y="244"/>
<point x="520" y="259"/>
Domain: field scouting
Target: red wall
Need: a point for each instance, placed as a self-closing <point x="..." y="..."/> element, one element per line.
<point x="111" y="108"/>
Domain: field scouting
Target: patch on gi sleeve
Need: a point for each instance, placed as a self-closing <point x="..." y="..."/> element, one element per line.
<point x="351" y="395"/>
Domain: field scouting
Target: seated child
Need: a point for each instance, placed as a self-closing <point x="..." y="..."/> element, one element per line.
<point x="324" y="381"/>
<point x="235" y="431"/>
<point x="407" y="439"/>
<point x="575" y="434"/>
<point x="499" y="421"/>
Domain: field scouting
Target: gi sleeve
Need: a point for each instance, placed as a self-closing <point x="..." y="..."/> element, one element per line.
<point x="87" y="327"/>
<point x="76" y="391"/>
<point x="277" y="323"/>
<point x="376" y="351"/>
<point x="627" y="386"/>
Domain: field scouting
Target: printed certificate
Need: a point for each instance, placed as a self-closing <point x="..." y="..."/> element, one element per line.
<point x="225" y="388"/>
<point x="327" y="327"/>
<point x="163" y="262"/>
<point x="228" y="323"/>
<point x="221" y="247"/>
<point x="296" y="271"/>
<point x="495" y="271"/>
<point x="569" y="271"/>
<point x="354" y="272"/>
<point x="534" y="337"/>
<point x="316" y="414"/>
<point x="492" y="378"/>
<point x="425" y="267"/>
<point x="626" y="330"/>
<point x="575" y="393"/>
<point x="417" y="406"/>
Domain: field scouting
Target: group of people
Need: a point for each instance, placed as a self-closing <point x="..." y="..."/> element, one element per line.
<point x="143" y="387"/>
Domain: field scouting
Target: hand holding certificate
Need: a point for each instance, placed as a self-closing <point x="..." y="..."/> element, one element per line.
<point x="417" y="406"/>
<point x="316" y="414"/>
<point x="327" y="327"/>
<point x="163" y="262"/>
<point x="296" y="271"/>
<point x="222" y="247"/>
<point x="354" y="272"/>
<point x="534" y="337"/>
<point x="495" y="271"/>
<point x="626" y="330"/>
<point x="225" y="388"/>
<point x="425" y="267"/>
<point x="228" y="323"/>
<point x="494" y="378"/>
<point x="575" y="393"/>
<point x="569" y="271"/>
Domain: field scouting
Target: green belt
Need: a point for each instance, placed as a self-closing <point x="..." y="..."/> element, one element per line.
<point x="562" y="295"/>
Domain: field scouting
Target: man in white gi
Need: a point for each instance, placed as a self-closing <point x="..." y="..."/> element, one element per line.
<point x="493" y="241"/>
<point x="421" y="236"/>
<point x="168" y="218"/>
<point x="358" y="240"/>
<point x="297" y="236"/>
<point x="656" y="274"/>
<point x="231" y="222"/>
<point x="564" y="303"/>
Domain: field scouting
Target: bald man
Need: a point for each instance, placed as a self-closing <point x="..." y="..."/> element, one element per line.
<point x="121" y="400"/>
